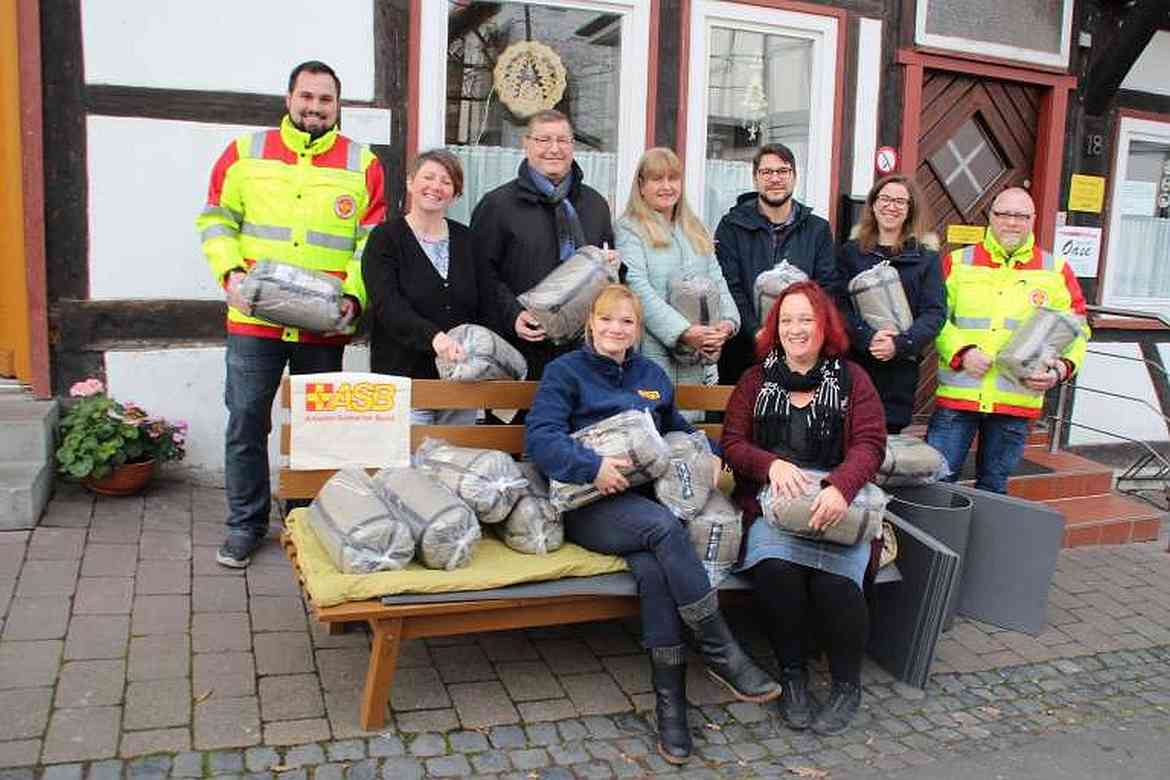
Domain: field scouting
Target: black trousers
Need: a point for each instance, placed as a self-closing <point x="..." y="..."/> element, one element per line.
<point x="800" y="604"/>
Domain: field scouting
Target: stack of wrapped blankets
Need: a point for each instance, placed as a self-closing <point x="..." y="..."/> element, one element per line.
<point x="293" y="296"/>
<point x="560" y="302"/>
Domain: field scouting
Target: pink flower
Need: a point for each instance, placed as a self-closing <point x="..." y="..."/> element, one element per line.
<point x="177" y="438"/>
<point x="87" y="388"/>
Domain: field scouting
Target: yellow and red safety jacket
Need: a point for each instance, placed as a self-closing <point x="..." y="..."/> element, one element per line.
<point x="281" y="195"/>
<point x="990" y="294"/>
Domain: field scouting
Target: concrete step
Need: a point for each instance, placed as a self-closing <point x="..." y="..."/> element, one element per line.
<point x="1107" y="518"/>
<point x="27" y="428"/>
<point x="25" y="488"/>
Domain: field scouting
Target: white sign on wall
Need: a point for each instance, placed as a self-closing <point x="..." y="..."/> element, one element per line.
<point x="1080" y="247"/>
<point x="347" y="418"/>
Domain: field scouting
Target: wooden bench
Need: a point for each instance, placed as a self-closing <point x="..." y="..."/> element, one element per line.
<point x="391" y="624"/>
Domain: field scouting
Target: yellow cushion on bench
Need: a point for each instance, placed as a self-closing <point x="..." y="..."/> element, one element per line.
<point x="494" y="565"/>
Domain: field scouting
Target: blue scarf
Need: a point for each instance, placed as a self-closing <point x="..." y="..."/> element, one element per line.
<point x="570" y="235"/>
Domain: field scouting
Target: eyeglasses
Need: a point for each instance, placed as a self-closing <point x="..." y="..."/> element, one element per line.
<point x="888" y="200"/>
<point x="1018" y="216"/>
<point x="545" y="141"/>
<point x="776" y="173"/>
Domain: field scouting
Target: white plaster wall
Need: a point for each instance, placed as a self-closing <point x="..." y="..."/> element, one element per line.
<point x="187" y="384"/>
<point x="1148" y="74"/>
<point x="1128" y="418"/>
<point x="147" y="182"/>
<point x="865" y="111"/>
<point x="226" y="44"/>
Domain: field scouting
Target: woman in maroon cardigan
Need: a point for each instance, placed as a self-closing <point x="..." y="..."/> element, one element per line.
<point x="806" y="407"/>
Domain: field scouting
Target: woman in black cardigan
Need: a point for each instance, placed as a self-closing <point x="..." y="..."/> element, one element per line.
<point x="422" y="280"/>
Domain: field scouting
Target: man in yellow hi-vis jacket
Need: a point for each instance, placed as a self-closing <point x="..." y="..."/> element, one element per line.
<point x="992" y="289"/>
<point x="301" y="194"/>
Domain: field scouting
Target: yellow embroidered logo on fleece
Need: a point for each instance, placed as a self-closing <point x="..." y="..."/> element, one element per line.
<point x="650" y="395"/>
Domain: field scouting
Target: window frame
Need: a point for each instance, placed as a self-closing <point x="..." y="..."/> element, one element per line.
<point x="985" y="49"/>
<point x="1153" y="128"/>
<point x="824" y="30"/>
<point x="635" y="85"/>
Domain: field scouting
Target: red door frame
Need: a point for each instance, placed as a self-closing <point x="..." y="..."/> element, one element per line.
<point x="33" y="172"/>
<point x="1046" y="168"/>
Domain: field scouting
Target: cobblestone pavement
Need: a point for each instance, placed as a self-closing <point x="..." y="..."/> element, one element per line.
<point x="126" y="651"/>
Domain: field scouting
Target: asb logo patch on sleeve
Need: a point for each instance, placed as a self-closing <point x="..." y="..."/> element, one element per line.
<point x="650" y="395"/>
<point x="345" y="206"/>
<point x="1038" y="297"/>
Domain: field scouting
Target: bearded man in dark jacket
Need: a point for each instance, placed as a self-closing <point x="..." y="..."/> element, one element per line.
<point x="523" y="229"/>
<point x="763" y="229"/>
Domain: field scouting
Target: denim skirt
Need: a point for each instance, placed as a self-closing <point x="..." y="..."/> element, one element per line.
<point x="766" y="541"/>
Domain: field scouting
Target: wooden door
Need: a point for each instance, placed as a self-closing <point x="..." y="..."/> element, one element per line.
<point x="977" y="137"/>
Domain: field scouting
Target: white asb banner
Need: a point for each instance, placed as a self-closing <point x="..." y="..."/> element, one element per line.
<point x="348" y="418"/>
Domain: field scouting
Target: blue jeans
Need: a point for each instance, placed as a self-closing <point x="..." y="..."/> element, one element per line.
<point x="658" y="551"/>
<point x="1001" y="444"/>
<point x="254" y="369"/>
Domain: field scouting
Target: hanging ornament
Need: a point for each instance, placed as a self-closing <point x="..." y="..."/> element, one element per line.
<point x="529" y="77"/>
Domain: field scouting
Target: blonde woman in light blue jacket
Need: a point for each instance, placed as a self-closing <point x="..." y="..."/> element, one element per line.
<point x="659" y="238"/>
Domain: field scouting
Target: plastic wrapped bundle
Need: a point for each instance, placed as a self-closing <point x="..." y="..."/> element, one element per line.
<point x="534" y="525"/>
<point x="715" y="533"/>
<point x="910" y="461"/>
<point x="862" y="521"/>
<point x="629" y="435"/>
<point x="690" y="478"/>
<point x="444" y="528"/>
<point x="356" y="527"/>
<point x="771" y="283"/>
<point x="488" y="481"/>
<point x="489" y="356"/>
<point x="880" y="300"/>
<point x="695" y="297"/>
<point x="1043" y="338"/>
<point x="561" y="301"/>
<point x="293" y="296"/>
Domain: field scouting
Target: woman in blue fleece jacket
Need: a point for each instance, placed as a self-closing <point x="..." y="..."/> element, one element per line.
<point x="599" y="380"/>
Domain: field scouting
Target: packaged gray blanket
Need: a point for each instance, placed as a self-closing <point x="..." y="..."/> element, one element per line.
<point x="488" y="481"/>
<point x="862" y="521"/>
<point x="880" y="300"/>
<point x="293" y="296"/>
<point x="715" y="534"/>
<point x="356" y="527"/>
<point x="631" y="435"/>
<point x="771" y="283"/>
<point x="695" y="297"/>
<point x="489" y="356"/>
<point x="690" y="478"/>
<point x="444" y="528"/>
<point x="1042" y="338"/>
<point x="560" y="302"/>
<point x="910" y="461"/>
<point x="534" y="525"/>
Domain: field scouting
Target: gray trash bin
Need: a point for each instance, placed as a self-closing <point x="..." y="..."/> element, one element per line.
<point x="945" y="514"/>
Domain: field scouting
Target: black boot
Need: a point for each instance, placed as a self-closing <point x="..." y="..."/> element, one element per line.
<point x="835" y="717"/>
<point x="797" y="703"/>
<point x="726" y="661"/>
<point x="668" y="667"/>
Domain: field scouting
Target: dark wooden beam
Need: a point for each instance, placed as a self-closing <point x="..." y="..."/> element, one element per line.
<point x="63" y="102"/>
<point x="391" y="33"/>
<point x="97" y="326"/>
<point x="188" y="105"/>
<point x="1114" y="59"/>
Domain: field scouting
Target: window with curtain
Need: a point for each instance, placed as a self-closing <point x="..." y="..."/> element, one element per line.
<point x="1139" y="258"/>
<point x="485" y="122"/>
<point x="757" y="93"/>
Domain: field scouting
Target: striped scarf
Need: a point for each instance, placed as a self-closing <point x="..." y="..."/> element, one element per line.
<point x="829" y="383"/>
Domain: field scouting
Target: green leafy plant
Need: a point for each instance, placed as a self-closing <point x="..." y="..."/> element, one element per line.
<point x="98" y="434"/>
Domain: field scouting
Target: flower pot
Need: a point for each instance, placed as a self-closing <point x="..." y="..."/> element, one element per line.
<point x="125" y="480"/>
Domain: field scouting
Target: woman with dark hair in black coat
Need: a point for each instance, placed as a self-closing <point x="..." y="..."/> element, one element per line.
<point x="893" y="229"/>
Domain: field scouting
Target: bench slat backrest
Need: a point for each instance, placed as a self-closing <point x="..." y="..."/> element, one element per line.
<point x="437" y="394"/>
